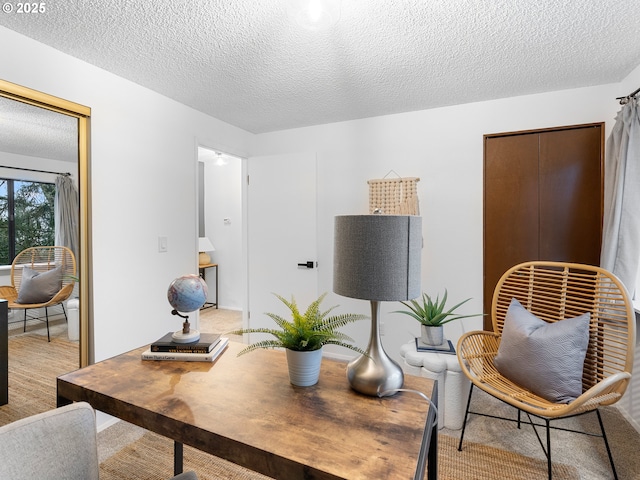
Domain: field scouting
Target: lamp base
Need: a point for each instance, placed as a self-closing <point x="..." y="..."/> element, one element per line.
<point x="375" y="373"/>
<point x="374" y="377"/>
<point x="204" y="258"/>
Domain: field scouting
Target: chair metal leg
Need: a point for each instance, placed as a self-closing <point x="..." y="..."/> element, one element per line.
<point x="466" y="415"/>
<point x="548" y="447"/>
<point x="65" y="312"/>
<point x="46" y="314"/>
<point x="606" y="444"/>
<point x="545" y="444"/>
<point x="24" y="329"/>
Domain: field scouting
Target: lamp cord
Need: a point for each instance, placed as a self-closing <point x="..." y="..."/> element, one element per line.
<point x="396" y="390"/>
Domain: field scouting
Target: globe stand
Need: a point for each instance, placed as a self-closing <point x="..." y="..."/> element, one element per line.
<point x="186" y="335"/>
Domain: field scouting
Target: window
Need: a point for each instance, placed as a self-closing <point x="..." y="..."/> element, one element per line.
<point x="27" y="216"/>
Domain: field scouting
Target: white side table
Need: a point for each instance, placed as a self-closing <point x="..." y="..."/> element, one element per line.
<point x="453" y="386"/>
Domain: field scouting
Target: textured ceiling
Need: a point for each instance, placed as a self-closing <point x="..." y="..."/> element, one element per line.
<point x="37" y="132"/>
<point x="246" y="62"/>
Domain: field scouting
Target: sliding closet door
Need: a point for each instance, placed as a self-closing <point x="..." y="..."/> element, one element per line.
<point x="571" y="195"/>
<point x="510" y="199"/>
<point x="543" y="197"/>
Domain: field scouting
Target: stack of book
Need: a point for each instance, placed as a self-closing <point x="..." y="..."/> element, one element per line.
<point x="206" y="349"/>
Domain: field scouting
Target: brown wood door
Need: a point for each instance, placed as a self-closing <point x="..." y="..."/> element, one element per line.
<point x="571" y="195"/>
<point x="543" y="197"/>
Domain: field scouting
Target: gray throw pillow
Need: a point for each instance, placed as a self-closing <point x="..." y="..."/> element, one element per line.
<point x="37" y="287"/>
<point x="545" y="358"/>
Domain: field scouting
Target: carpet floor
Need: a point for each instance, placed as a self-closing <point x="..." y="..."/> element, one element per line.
<point x="34" y="365"/>
<point x="151" y="456"/>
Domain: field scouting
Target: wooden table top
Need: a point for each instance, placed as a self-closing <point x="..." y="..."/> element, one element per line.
<point x="245" y="410"/>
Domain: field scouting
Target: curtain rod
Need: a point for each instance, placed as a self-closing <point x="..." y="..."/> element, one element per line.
<point x="624" y="100"/>
<point x="66" y="174"/>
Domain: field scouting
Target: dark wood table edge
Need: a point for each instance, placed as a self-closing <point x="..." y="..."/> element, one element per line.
<point x="429" y="447"/>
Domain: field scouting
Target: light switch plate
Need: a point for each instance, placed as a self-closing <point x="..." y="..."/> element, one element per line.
<point x="162" y="244"/>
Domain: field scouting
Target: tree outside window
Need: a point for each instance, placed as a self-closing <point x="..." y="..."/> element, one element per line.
<point x="27" y="216"/>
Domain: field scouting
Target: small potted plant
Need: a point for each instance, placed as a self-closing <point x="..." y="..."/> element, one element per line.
<point x="432" y="316"/>
<point x="303" y="337"/>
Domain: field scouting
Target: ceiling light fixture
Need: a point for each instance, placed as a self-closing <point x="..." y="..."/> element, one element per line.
<point x="316" y="14"/>
<point x="220" y="161"/>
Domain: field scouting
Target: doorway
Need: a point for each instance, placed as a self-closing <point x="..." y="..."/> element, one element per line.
<point x="263" y="230"/>
<point x="220" y="220"/>
<point x="543" y="199"/>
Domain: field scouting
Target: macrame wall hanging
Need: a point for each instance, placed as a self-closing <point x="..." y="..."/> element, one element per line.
<point x="394" y="196"/>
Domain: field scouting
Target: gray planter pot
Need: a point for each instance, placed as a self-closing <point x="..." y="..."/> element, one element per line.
<point x="433" y="336"/>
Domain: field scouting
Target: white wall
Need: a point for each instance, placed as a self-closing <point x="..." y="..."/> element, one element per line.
<point x="223" y="200"/>
<point x="36" y="163"/>
<point x="143" y="185"/>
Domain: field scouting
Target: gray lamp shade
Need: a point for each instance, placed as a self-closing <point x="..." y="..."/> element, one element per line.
<point x="377" y="257"/>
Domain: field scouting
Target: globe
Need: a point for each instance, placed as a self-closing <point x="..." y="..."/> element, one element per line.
<point x="187" y="293"/>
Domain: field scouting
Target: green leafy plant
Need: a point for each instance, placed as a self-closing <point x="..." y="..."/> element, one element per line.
<point x="304" y="331"/>
<point x="432" y="313"/>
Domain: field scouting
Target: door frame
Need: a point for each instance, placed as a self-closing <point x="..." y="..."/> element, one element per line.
<point x="83" y="114"/>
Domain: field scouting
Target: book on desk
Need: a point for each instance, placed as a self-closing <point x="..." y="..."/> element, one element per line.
<point x="446" y="347"/>
<point x="220" y="346"/>
<point x="205" y="344"/>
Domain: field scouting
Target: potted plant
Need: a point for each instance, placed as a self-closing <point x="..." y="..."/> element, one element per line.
<point x="303" y="337"/>
<point x="432" y="316"/>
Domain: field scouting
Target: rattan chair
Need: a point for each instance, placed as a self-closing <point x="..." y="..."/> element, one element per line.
<point x="41" y="260"/>
<point x="553" y="292"/>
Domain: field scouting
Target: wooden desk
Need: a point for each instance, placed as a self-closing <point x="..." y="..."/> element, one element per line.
<point x="202" y="269"/>
<point x="245" y="410"/>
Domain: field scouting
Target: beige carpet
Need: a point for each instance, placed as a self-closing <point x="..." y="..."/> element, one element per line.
<point x="34" y="365"/>
<point x="151" y="457"/>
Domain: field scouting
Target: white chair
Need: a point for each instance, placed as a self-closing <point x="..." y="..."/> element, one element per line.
<point x="60" y="444"/>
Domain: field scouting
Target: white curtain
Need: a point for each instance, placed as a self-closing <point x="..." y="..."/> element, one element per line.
<point x="621" y="235"/>
<point x="66" y="213"/>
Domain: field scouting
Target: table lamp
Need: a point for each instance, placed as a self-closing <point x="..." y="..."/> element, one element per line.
<point x="204" y="246"/>
<point x="377" y="258"/>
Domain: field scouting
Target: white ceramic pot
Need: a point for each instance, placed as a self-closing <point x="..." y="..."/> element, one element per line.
<point x="304" y="367"/>
<point x="432" y="335"/>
